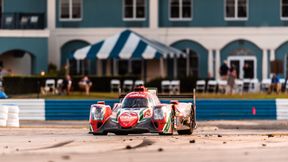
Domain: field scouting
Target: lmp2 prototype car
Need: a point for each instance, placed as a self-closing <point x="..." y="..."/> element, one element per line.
<point x="140" y="111"/>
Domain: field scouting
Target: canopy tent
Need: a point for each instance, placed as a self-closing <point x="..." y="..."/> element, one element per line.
<point x="126" y="45"/>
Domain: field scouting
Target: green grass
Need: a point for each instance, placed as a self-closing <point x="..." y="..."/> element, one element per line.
<point x="108" y="95"/>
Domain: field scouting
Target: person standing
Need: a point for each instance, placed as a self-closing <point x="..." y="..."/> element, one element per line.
<point x="67" y="84"/>
<point x="224" y="70"/>
<point x="275" y="84"/>
<point x="232" y="75"/>
<point x="248" y="72"/>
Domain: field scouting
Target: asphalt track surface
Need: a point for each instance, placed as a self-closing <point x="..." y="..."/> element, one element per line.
<point x="214" y="141"/>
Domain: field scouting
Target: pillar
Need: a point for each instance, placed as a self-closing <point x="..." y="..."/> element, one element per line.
<point x="210" y="63"/>
<point x="265" y="64"/>
<point x="217" y="63"/>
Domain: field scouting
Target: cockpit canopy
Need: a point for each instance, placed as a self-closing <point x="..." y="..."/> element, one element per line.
<point x="135" y="103"/>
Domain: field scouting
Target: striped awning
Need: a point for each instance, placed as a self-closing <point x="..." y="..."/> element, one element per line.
<point x="126" y="45"/>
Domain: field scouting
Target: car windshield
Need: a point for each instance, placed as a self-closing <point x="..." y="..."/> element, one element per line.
<point x="135" y="103"/>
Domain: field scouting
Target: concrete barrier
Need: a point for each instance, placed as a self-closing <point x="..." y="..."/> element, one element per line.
<point x="30" y="109"/>
<point x="13" y="115"/>
<point x="282" y="109"/>
<point x="3" y="116"/>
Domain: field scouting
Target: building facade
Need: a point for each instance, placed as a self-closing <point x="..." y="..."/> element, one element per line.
<point x="242" y="32"/>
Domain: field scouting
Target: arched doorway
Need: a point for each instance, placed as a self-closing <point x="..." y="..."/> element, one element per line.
<point x="76" y="67"/>
<point x="245" y="56"/>
<point x="194" y="64"/>
<point x="18" y="62"/>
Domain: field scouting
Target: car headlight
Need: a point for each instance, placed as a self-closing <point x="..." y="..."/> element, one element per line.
<point x="158" y="114"/>
<point x="97" y="113"/>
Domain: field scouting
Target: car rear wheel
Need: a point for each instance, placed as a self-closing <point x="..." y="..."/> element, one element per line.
<point x="192" y="124"/>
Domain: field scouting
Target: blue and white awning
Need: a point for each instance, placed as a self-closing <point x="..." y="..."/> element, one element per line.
<point x="126" y="45"/>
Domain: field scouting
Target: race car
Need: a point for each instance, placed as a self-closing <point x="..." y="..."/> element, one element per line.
<point x="140" y="111"/>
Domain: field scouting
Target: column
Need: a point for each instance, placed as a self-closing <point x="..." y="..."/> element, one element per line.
<point x="210" y="63"/>
<point x="54" y="52"/>
<point x="265" y="64"/>
<point x="51" y="14"/>
<point x="217" y="63"/>
<point x="272" y="58"/>
<point x="153" y="13"/>
<point x="272" y="55"/>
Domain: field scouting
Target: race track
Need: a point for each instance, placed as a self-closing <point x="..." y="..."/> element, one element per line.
<point x="221" y="141"/>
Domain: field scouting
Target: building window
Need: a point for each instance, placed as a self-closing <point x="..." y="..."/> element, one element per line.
<point x="134" y="9"/>
<point x="284" y="9"/>
<point x="180" y="9"/>
<point x="236" y="9"/>
<point x="71" y="10"/>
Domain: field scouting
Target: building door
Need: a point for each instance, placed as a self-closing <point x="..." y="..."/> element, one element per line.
<point x="239" y="62"/>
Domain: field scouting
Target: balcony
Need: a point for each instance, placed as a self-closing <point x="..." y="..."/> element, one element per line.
<point x="22" y="21"/>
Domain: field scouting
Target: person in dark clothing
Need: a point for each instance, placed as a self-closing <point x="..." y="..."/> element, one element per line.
<point x="275" y="84"/>
<point x="224" y="71"/>
<point x="248" y="72"/>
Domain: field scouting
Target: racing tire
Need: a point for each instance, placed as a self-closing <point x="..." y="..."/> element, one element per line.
<point x="3" y="116"/>
<point x="13" y="109"/>
<point x="13" y="116"/>
<point x="3" y="110"/>
<point x="3" y="123"/>
<point x="191" y="125"/>
<point x="13" y="123"/>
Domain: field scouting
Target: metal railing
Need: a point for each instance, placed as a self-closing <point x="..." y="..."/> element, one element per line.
<point x="22" y="21"/>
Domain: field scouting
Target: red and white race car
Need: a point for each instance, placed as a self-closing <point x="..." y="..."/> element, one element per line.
<point x="141" y="112"/>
